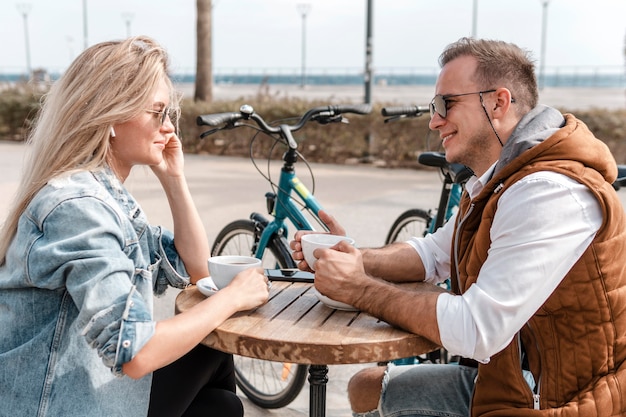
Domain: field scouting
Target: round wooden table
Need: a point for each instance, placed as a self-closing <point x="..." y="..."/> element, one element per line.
<point x="295" y="327"/>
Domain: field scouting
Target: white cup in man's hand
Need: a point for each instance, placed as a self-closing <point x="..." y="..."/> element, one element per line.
<point x="224" y="268"/>
<point x="313" y="241"/>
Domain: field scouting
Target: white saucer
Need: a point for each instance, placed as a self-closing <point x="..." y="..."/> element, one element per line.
<point x="329" y="302"/>
<point x="206" y="286"/>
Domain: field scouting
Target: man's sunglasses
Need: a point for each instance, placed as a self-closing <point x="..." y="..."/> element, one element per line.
<point x="439" y="103"/>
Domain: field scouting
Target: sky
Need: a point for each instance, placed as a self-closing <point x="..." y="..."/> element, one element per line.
<point x="250" y="35"/>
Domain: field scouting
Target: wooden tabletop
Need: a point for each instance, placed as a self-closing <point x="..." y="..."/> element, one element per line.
<point x="294" y="326"/>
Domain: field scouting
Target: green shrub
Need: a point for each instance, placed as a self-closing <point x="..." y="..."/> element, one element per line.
<point x="364" y="139"/>
<point x="18" y="109"/>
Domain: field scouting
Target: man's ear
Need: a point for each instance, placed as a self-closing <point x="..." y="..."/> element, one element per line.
<point x="503" y="102"/>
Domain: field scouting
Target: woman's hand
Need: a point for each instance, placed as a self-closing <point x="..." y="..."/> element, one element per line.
<point x="173" y="162"/>
<point x="334" y="228"/>
<point x="249" y="289"/>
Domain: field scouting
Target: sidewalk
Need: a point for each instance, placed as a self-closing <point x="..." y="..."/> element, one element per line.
<point x="366" y="200"/>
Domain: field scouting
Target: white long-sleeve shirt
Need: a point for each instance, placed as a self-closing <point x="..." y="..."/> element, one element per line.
<point x="543" y="224"/>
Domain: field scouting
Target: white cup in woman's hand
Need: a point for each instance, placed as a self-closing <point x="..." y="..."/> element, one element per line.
<point x="224" y="268"/>
<point x="313" y="241"/>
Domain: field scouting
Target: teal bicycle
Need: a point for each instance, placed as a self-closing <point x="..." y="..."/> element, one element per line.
<point x="417" y="221"/>
<point x="420" y="222"/>
<point x="265" y="383"/>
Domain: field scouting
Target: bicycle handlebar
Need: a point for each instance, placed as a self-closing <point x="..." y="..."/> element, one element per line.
<point x="322" y="114"/>
<point x="406" y="111"/>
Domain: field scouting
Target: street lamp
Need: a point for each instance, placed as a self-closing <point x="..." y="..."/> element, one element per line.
<point x="544" y="26"/>
<point x="475" y="19"/>
<point x="86" y="43"/>
<point x="128" y="18"/>
<point x="368" y="53"/>
<point x="24" y="9"/>
<point x="303" y="8"/>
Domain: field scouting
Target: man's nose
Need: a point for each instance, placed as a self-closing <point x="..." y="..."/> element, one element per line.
<point x="436" y="121"/>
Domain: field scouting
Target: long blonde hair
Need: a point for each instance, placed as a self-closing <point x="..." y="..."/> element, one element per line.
<point x="108" y="83"/>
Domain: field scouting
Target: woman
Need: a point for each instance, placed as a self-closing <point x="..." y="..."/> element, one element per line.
<point x="79" y="263"/>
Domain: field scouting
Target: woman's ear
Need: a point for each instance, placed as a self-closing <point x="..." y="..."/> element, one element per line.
<point x="112" y="132"/>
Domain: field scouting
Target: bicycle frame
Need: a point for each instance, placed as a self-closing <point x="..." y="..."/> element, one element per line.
<point x="454" y="177"/>
<point x="266" y="238"/>
<point x="448" y="205"/>
<point x="281" y="206"/>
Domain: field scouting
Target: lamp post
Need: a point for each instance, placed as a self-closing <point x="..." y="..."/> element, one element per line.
<point x="544" y="26"/>
<point x="304" y="9"/>
<point x="128" y="18"/>
<point x="86" y="43"/>
<point x="475" y="19"/>
<point x="24" y="9"/>
<point x="368" y="54"/>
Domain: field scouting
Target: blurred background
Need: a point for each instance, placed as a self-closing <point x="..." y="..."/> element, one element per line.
<point x="313" y="42"/>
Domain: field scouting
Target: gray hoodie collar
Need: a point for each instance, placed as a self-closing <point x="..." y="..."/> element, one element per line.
<point x="536" y="126"/>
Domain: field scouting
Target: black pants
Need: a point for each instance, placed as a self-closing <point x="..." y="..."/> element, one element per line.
<point x="201" y="383"/>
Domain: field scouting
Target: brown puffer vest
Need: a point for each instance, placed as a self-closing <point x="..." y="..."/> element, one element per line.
<point x="575" y="344"/>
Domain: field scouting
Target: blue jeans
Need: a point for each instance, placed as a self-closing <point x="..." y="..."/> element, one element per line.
<point x="425" y="390"/>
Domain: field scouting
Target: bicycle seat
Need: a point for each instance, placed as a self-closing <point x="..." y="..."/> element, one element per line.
<point x="621" y="177"/>
<point x="458" y="173"/>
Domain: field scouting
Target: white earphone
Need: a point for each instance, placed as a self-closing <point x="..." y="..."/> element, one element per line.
<point x="112" y="132"/>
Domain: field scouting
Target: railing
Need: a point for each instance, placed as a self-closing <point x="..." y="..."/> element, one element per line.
<point x="559" y="76"/>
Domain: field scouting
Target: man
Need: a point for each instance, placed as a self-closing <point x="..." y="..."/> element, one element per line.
<point x="535" y="256"/>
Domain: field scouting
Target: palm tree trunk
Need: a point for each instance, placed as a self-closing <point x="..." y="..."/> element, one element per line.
<point x="204" y="65"/>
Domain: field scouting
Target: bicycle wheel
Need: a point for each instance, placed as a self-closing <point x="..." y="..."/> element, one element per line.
<point x="240" y="238"/>
<point x="413" y="222"/>
<point x="265" y="383"/>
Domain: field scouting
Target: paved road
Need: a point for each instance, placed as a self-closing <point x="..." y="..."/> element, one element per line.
<point x="365" y="199"/>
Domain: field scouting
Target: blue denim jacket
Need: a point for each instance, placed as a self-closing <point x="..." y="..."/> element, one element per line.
<point x="76" y="300"/>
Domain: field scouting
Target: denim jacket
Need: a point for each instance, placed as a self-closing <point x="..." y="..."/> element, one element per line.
<point x="76" y="303"/>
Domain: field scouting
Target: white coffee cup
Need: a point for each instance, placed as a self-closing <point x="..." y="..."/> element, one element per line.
<point x="313" y="241"/>
<point x="224" y="268"/>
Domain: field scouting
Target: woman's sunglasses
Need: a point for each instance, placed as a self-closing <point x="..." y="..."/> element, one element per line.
<point x="173" y="113"/>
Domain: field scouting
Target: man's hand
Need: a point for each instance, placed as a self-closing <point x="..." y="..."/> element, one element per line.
<point x="334" y="228"/>
<point x="339" y="273"/>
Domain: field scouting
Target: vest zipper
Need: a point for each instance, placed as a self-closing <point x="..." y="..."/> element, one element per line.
<point x="456" y="243"/>
<point x="537" y="390"/>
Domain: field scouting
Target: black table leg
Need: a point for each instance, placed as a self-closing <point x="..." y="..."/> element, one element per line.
<point x="317" y="394"/>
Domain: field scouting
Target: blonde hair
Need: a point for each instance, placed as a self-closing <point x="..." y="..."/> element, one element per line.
<point x="108" y="83"/>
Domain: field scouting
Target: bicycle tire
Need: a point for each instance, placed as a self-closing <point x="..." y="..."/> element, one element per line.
<point x="413" y="222"/>
<point x="267" y="384"/>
